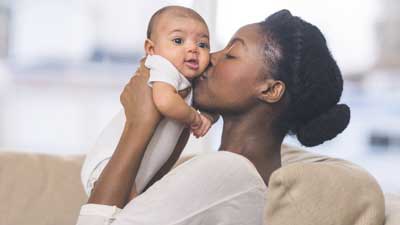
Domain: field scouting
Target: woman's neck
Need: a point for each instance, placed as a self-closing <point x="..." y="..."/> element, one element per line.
<point x="253" y="137"/>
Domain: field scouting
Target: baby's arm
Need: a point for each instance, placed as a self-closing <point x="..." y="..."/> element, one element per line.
<point x="170" y="104"/>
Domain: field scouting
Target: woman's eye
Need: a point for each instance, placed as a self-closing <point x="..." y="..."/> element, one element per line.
<point x="178" y="41"/>
<point x="204" y="45"/>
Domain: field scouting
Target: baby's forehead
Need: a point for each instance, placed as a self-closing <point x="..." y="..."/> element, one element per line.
<point x="174" y="14"/>
<point x="182" y="12"/>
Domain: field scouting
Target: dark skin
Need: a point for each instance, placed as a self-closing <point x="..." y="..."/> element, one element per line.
<point x="248" y="115"/>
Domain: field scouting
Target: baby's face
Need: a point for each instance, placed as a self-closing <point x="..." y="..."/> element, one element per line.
<point x="184" y="42"/>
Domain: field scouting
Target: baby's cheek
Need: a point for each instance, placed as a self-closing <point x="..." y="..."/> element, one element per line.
<point x="205" y="62"/>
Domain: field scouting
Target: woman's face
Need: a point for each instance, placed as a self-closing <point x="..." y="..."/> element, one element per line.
<point x="229" y="83"/>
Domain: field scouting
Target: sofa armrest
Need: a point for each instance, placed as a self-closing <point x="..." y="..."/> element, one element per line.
<point x="332" y="192"/>
<point x="392" y="205"/>
<point x="40" y="189"/>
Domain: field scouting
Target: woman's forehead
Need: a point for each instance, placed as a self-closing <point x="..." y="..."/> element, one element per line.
<point x="252" y="36"/>
<point x="250" y="32"/>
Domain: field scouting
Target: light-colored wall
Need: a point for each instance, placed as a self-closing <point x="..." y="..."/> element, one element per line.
<point x="388" y="35"/>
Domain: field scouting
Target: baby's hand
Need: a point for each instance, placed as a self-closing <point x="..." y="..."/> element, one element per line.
<point x="204" y="127"/>
<point x="196" y="122"/>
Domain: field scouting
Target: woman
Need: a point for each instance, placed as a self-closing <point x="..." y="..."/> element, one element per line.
<point x="273" y="78"/>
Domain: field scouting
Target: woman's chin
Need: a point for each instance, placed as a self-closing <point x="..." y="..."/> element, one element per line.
<point x="203" y="99"/>
<point x="201" y="102"/>
<point x="208" y="108"/>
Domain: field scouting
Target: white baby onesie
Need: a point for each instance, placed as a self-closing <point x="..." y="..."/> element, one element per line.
<point x="161" y="144"/>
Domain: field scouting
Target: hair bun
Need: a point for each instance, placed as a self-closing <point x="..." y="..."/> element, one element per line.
<point x="281" y="15"/>
<point x="325" y="127"/>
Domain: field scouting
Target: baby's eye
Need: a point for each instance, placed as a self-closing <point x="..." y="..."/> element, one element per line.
<point x="178" y="41"/>
<point x="204" y="45"/>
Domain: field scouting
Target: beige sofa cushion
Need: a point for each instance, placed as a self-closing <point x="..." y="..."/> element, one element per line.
<point x="392" y="202"/>
<point x="39" y="189"/>
<point x="311" y="189"/>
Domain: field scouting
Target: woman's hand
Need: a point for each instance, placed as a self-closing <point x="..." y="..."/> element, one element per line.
<point x="137" y="100"/>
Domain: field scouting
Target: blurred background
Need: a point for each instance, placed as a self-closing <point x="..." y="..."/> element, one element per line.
<point x="63" y="64"/>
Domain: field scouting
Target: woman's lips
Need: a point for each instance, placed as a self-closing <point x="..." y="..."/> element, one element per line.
<point x="192" y="64"/>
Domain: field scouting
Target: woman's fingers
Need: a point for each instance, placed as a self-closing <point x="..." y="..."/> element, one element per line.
<point x="143" y="60"/>
<point x="143" y="70"/>
<point x="137" y="100"/>
<point x="204" y="129"/>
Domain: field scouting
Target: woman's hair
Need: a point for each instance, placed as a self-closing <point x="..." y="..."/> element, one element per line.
<point x="297" y="54"/>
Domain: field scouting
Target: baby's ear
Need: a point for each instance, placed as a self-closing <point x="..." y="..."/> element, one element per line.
<point x="149" y="47"/>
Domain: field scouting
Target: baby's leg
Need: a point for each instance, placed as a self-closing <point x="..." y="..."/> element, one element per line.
<point x="180" y="145"/>
<point x="133" y="193"/>
<point x="101" y="152"/>
<point x="94" y="176"/>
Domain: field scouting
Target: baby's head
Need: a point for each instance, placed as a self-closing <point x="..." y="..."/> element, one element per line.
<point x="180" y="35"/>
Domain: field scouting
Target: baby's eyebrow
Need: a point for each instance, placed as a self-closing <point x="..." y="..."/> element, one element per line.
<point x="176" y="31"/>
<point x="201" y="35"/>
<point x="204" y="36"/>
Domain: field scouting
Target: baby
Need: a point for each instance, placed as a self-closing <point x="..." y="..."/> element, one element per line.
<point x="177" y="49"/>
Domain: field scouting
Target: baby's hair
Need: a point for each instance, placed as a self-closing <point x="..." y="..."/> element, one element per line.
<point x="178" y="11"/>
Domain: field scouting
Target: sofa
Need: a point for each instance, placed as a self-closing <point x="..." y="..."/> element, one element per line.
<point x="43" y="189"/>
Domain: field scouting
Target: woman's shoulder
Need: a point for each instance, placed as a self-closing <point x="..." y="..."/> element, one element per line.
<point x="222" y="165"/>
<point x="220" y="159"/>
<point x="204" y="189"/>
<point x="224" y="158"/>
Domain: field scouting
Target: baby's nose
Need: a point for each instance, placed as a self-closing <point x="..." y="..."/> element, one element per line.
<point x="192" y="47"/>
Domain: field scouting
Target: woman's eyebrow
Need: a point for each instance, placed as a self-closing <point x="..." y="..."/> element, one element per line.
<point x="236" y="39"/>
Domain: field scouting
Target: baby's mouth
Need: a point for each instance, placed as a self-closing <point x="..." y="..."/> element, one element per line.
<point x="192" y="64"/>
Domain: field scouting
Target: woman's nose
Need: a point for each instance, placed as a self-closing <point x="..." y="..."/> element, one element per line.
<point x="214" y="58"/>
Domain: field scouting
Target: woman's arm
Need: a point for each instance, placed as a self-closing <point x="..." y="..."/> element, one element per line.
<point x="115" y="183"/>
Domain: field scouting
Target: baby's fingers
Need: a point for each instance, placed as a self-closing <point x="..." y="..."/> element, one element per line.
<point x="204" y="129"/>
<point x="196" y="132"/>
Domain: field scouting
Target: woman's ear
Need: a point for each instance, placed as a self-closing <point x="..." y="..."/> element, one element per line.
<point x="271" y="91"/>
<point x="149" y="47"/>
